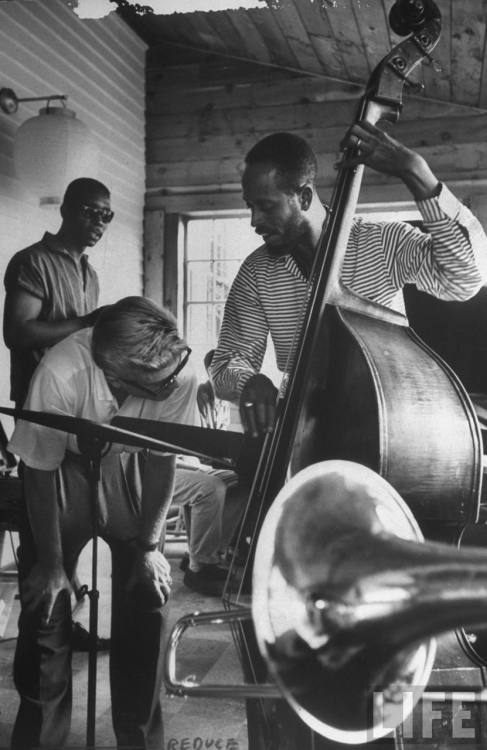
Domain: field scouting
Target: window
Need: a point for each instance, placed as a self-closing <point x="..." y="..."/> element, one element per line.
<point x="214" y="249"/>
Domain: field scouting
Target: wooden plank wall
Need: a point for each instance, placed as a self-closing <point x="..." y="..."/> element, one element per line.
<point x="100" y="65"/>
<point x="199" y="129"/>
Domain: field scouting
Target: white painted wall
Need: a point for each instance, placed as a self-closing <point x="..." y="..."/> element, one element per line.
<point x="100" y="64"/>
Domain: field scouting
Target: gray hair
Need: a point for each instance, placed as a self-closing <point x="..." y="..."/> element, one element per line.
<point x="135" y="332"/>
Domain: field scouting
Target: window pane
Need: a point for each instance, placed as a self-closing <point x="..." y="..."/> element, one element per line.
<point x="202" y="327"/>
<point x="199" y="239"/>
<point x="209" y="281"/>
<point x="214" y="250"/>
<point x="224" y="273"/>
<point x="235" y="239"/>
<point x="229" y="239"/>
<point x="199" y="281"/>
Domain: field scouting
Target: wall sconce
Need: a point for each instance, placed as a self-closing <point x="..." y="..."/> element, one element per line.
<point x="51" y="149"/>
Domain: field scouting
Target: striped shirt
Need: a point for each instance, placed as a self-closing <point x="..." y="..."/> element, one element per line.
<point x="448" y="260"/>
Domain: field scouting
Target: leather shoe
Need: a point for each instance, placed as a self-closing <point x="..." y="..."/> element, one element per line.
<point x="80" y="639"/>
<point x="210" y="580"/>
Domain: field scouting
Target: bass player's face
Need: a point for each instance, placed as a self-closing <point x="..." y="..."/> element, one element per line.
<point x="276" y="215"/>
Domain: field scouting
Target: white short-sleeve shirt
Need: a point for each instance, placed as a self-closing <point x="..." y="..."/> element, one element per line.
<point x="67" y="381"/>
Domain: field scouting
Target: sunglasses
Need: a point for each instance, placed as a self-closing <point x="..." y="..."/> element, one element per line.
<point x="156" y="389"/>
<point x="97" y="214"/>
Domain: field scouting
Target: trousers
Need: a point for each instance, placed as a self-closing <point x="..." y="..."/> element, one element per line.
<point x="42" y="662"/>
<point x="212" y="504"/>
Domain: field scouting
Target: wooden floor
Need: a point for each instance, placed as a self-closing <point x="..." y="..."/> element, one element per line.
<point x="190" y="723"/>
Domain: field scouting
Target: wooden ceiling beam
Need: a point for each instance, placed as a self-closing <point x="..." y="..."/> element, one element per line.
<point x="295" y="70"/>
<point x="370" y="195"/>
<point x="439" y="133"/>
<point x="354" y="87"/>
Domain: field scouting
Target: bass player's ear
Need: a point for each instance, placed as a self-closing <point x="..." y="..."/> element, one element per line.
<point x="305" y="198"/>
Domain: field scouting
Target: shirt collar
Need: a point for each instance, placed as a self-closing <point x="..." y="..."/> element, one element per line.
<point x="102" y="389"/>
<point x="286" y="261"/>
<point x="293" y="268"/>
<point x="53" y="244"/>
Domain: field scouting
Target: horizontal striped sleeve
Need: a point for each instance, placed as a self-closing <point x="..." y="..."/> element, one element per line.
<point x="267" y="297"/>
<point x="365" y="269"/>
<point x="446" y="259"/>
<point x="243" y="337"/>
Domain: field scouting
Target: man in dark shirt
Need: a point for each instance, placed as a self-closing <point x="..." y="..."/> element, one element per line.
<point x="51" y="292"/>
<point x="51" y="288"/>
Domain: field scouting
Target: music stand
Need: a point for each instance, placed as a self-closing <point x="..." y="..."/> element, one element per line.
<point x="94" y="441"/>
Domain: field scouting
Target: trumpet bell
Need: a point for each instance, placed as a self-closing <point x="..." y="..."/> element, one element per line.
<point x="325" y="598"/>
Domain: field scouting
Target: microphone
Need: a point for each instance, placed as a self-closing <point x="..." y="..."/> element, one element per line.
<point x="407" y="16"/>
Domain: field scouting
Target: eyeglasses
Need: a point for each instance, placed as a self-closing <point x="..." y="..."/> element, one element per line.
<point x="156" y="389"/>
<point x="97" y="214"/>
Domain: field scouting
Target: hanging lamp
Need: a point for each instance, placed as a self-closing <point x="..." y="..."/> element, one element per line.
<point x="51" y="149"/>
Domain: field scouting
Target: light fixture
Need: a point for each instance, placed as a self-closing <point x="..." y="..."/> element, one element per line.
<point x="51" y="149"/>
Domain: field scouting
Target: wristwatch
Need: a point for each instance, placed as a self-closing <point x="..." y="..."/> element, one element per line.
<point x="146" y="546"/>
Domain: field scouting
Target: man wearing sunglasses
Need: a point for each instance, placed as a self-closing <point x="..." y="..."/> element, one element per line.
<point x="134" y="364"/>
<point x="51" y="288"/>
<point x="52" y="291"/>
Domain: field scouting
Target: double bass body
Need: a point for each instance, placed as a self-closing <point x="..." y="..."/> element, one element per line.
<point x="377" y="395"/>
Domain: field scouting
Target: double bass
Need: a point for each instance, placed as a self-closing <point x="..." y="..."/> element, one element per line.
<point x="361" y="387"/>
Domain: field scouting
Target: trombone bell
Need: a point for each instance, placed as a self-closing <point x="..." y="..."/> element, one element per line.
<point x="323" y="592"/>
<point x="346" y="601"/>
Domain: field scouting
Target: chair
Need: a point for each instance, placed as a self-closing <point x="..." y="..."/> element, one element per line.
<point x="175" y="526"/>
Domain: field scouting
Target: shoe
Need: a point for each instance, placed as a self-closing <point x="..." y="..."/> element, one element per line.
<point x="217" y="571"/>
<point x="80" y="639"/>
<point x="210" y="580"/>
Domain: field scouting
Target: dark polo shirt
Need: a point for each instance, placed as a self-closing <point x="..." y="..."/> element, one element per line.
<point x="67" y="288"/>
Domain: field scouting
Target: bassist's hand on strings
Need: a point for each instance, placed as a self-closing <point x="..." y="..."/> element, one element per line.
<point x="378" y="150"/>
<point x="258" y="405"/>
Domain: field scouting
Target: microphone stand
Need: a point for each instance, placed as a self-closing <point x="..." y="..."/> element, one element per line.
<point x="93" y="448"/>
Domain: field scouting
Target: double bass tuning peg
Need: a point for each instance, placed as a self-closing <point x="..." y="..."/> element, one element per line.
<point x="397" y="64"/>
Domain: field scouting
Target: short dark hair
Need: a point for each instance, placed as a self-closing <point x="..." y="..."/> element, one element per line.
<point x="135" y="332"/>
<point x="292" y="157"/>
<point x="82" y="188"/>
